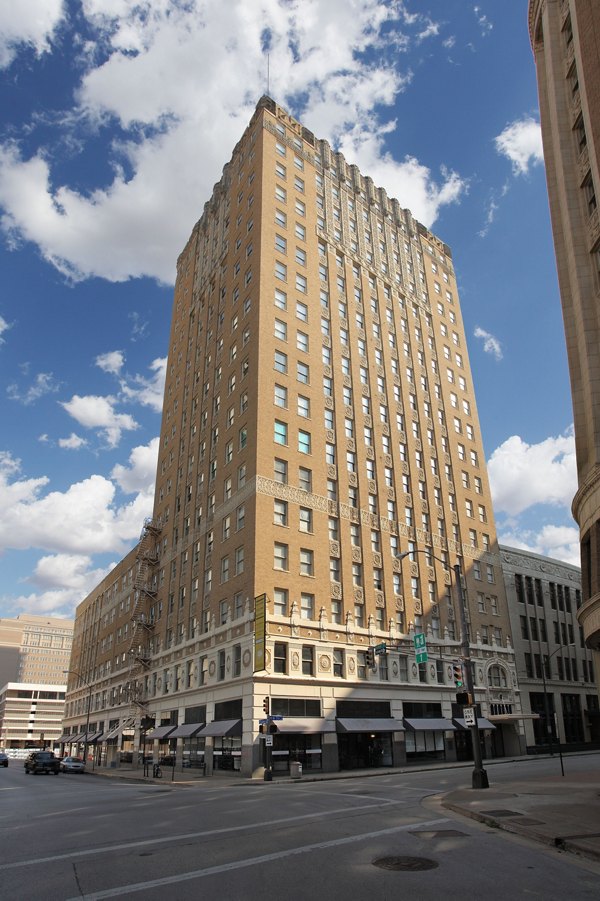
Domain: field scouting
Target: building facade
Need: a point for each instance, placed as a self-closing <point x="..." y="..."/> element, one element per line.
<point x="555" y="667"/>
<point x="319" y="422"/>
<point x="566" y="44"/>
<point x="31" y="715"/>
<point x="34" y="655"/>
<point x="35" y="649"/>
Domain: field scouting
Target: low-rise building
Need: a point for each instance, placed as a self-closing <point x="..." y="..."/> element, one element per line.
<point x="555" y="668"/>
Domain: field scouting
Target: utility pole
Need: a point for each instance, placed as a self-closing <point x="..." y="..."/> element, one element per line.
<point x="479" y="778"/>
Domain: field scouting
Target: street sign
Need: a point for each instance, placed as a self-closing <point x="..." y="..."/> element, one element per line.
<point x="268" y="741"/>
<point x="276" y="716"/>
<point x="420" y="647"/>
<point x="380" y="648"/>
<point x="469" y="716"/>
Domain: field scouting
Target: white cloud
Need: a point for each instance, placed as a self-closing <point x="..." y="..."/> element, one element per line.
<point x="44" y="383"/>
<point x="483" y="21"/>
<point x="140" y="475"/>
<point x="32" y="23"/>
<point x="147" y="391"/>
<point x="93" y="412"/>
<point x="523" y="475"/>
<point x="63" y="581"/>
<point x="521" y="143"/>
<point x="84" y="519"/>
<point x="112" y="362"/>
<point x="491" y="345"/>
<point x="4" y="327"/>
<point x="73" y="442"/>
<point x="181" y="81"/>
<point x="559" y="542"/>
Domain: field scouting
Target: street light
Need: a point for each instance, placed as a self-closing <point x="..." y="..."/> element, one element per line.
<point x="549" y="657"/>
<point x="89" y="704"/>
<point x="479" y="777"/>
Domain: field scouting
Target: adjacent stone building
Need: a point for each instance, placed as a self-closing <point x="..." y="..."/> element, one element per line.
<point x="565" y="35"/>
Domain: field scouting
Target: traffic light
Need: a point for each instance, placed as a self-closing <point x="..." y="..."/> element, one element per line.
<point x="266" y="705"/>
<point x="370" y="657"/>
<point x="458" y="675"/>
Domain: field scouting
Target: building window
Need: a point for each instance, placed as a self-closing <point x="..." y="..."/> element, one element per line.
<point x="338" y="662"/>
<point x="304" y="442"/>
<point x="308" y="665"/>
<point x="306" y="519"/>
<point x="280" y="512"/>
<point x="221" y="666"/>
<point x="280" y="657"/>
<point x="280" y="602"/>
<point x="306" y="562"/>
<point x="280" y="432"/>
<point x="280" y="557"/>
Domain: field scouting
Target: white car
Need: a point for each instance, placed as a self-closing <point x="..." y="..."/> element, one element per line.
<point x="72" y="765"/>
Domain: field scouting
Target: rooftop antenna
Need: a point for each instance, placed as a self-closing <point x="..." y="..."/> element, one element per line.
<point x="268" y="76"/>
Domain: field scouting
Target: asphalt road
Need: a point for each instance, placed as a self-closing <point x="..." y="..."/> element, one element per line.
<point x="85" y="837"/>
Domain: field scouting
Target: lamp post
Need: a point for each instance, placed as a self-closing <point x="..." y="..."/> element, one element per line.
<point x="547" y="705"/>
<point x="479" y="777"/>
<point x="89" y="704"/>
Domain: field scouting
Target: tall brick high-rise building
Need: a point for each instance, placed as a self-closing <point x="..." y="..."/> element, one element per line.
<point x="565" y="35"/>
<point x="319" y="421"/>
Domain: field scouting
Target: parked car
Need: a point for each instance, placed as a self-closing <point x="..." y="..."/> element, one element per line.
<point x="72" y="765"/>
<point x="42" y="762"/>
<point x="3" y="759"/>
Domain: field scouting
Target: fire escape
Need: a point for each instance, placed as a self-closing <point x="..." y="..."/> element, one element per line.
<point x="142" y="624"/>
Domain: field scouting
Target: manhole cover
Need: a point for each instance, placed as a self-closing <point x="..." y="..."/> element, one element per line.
<point x="407" y="864"/>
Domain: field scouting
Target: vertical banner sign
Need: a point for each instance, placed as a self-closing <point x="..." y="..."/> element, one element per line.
<point x="260" y="631"/>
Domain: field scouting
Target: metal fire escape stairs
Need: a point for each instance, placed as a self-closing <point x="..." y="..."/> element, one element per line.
<point x="142" y="625"/>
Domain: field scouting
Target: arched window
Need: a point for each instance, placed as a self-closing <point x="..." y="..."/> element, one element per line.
<point x="497" y="677"/>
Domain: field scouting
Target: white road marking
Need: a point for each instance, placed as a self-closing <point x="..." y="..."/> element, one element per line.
<point x="248" y="862"/>
<point x="186" y="836"/>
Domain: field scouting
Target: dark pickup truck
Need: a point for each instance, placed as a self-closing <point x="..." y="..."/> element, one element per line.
<point x="42" y="762"/>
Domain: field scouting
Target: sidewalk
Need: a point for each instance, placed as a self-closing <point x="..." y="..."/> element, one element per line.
<point x="560" y="811"/>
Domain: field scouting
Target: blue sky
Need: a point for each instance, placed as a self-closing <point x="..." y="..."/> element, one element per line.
<point x="117" y="120"/>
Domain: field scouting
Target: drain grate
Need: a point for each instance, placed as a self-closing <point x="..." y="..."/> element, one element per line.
<point x="405" y="864"/>
<point x="439" y="833"/>
<point x="501" y="813"/>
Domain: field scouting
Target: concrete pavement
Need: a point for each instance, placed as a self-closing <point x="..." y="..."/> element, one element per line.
<point x="560" y="811"/>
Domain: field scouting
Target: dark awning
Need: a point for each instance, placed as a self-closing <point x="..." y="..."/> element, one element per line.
<point x="160" y="733"/>
<point x="77" y="736"/>
<point x="187" y="730"/>
<point x="481" y="722"/>
<point x="429" y="724"/>
<point x="94" y="737"/>
<point x="221" y="728"/>
<point x="305" y="725"/>
<point x="359" y="724"/>
<point x="66" y="736"/>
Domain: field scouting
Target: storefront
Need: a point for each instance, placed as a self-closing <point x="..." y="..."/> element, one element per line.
<point x="226" y="738"/>
<point x="426" y="738"/>
<point x="366" y="743"/>
<point x="299" y="740"/>
<point x="192" y="745"/>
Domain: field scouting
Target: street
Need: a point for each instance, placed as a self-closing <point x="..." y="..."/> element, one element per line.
<point x="90" y="837"/>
